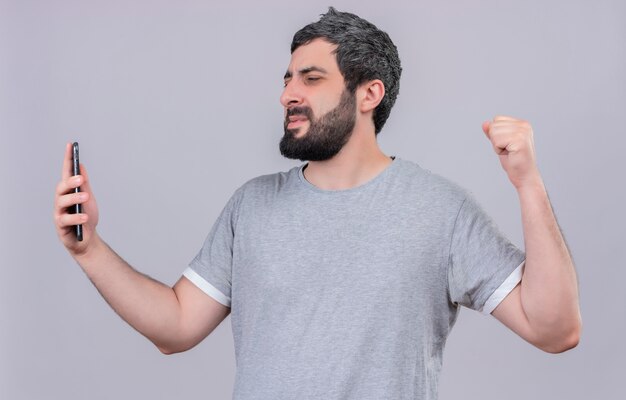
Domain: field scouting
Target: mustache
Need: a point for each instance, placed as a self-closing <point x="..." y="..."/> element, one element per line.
<point x="303" y="110"/>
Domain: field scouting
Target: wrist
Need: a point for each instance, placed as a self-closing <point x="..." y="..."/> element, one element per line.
<point x="533" y="194"/>
<point x="531" y="184"/>
<point x="90" y="251"/>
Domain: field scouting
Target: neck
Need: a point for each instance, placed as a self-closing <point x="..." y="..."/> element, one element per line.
<point x="358" y="162"/>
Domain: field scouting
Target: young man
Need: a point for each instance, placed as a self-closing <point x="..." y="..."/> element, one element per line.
<point x="345" y="275"/>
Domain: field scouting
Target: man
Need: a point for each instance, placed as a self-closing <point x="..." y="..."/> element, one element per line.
<point x="345" y="275"/>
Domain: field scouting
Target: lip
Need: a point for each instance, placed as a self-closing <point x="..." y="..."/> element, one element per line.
<point x="296" y="118"/>
<point x="296" y="123"/>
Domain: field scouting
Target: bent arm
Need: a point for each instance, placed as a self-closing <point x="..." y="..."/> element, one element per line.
<point x="543" y="308"/>
<point x="174" y="319"/>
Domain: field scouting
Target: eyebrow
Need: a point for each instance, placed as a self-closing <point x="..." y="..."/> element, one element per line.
<point x="306" y="70"/>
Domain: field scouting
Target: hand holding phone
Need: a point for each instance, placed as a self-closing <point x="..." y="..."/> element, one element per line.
<point x="77" y="208"/>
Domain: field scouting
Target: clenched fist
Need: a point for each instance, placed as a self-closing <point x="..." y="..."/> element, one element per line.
<point x="512" y="140"/>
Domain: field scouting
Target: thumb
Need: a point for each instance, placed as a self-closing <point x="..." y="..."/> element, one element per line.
<point x="486" y="127"/>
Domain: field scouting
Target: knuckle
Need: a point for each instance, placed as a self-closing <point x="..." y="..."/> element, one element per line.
<point x="61" y="201"/>
<point x="60" y="187"/>
<point x="61" y="223"/>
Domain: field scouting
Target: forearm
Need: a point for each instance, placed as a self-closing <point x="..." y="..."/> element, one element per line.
<point x="549" y="289"/>
<point x="147" y="305"/>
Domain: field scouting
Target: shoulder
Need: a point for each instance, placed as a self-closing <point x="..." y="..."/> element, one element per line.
<point x="270" y="182"/>
<point x="256" y="193"/>
<point x="429" y="184"/>
<point x="264" y="186"/>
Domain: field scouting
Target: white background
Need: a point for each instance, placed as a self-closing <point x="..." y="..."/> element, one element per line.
<point x="175" y="105"/>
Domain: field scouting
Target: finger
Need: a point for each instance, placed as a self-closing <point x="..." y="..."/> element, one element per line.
<point x="499" y="130"/>
<point x="504" y="118"/>
<point x="500" y="145"/>
<point x="504" y="135"/>
<point x="67" y="162"/>
<point x="499" y="151"/>
<point x="499" y="127"/>
<point x="510" y="144"/>
<point x="66" y="185"/>
<point x="65" y="220"/>
<point x="68" y="200"/>
<point x="85" y="185"/>
<point x="486" y="126"/>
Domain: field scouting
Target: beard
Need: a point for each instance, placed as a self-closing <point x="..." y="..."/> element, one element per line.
<point x="326" y="135"/>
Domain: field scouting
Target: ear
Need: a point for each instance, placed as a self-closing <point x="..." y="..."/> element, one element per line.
<point x="369" y="95"/>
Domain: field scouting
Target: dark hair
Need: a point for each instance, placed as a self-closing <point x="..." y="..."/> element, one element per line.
<point x="364" y="53"/>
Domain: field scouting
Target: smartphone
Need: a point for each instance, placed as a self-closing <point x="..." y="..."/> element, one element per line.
<point x="77" y="208"/>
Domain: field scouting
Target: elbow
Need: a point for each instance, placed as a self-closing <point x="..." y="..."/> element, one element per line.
<point x="564" y="342"/>
<point x="561" y="346"/>
<point x="179" y="345"/>
<point x="168" y="350"/>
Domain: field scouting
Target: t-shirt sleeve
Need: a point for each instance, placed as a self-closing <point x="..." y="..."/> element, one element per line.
<point x="484" y="266"/>
<point x="211" y="269"/>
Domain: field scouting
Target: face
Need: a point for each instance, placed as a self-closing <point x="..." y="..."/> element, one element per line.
<point x="320" y="113"/>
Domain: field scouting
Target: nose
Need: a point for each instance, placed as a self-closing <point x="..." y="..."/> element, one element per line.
<point x="291" y="95"/>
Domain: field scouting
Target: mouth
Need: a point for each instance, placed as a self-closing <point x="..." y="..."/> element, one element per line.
<point x="296" y="121"/>
<point x="300" y="117"/>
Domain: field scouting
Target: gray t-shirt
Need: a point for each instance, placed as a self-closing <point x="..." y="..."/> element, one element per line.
<point x="350" y="294"/>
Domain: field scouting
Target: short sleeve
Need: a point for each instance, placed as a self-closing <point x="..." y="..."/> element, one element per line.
<point x="484" y="266"/>
<point x="211" y="269"/>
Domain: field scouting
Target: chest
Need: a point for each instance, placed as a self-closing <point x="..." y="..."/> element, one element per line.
<point x="285" y="251"/>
